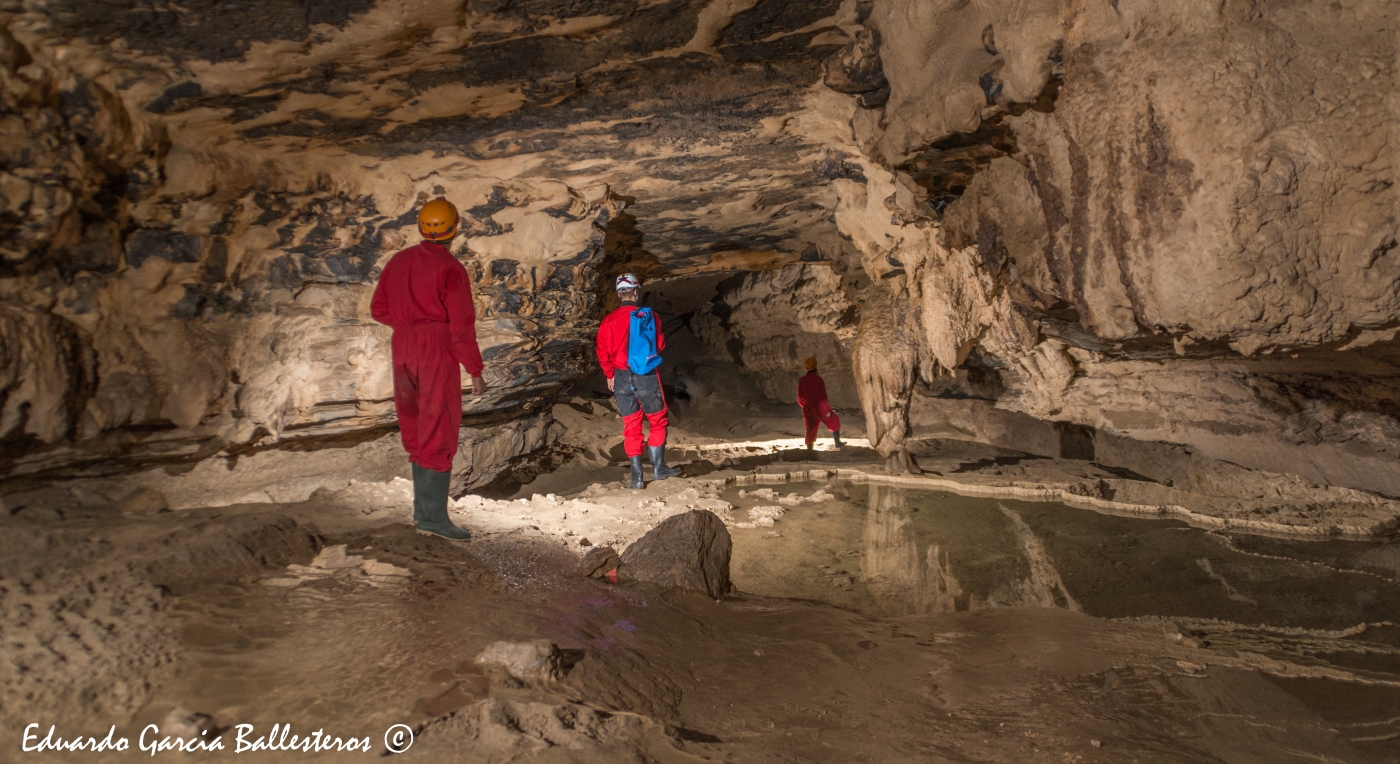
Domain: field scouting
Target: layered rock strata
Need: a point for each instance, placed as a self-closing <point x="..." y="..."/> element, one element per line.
<point x="197" y="204"/>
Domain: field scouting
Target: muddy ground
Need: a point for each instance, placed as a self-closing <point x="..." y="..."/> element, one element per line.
<point x="871" y="621"/>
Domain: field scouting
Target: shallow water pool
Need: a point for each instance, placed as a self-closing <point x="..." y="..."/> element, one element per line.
<point x="885" y="550"/>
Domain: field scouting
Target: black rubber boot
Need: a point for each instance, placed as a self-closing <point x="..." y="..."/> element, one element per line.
<point x="659" y="470"/>
<point x="637" y="482"/>
<point x="836" y="436"/>
<point x="811" y="447"/>
<point x="430" y="489"/>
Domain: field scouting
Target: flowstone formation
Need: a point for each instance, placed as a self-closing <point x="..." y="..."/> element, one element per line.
<point x="1171" y="222"/>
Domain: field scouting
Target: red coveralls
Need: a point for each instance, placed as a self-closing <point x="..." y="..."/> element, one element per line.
<point x="811" y="396"/>
<point x="426" y="295"/>
<point x="612" y="356"/>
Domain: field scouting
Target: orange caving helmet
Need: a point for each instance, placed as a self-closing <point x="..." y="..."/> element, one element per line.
<point x="438" y="220"/>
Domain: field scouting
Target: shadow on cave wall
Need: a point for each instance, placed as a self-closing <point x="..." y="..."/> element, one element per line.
<point x="623" y="252"/>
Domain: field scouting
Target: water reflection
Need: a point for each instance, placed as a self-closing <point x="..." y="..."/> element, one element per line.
<point x="962" y="558"/>
<point x="896" y="551"/>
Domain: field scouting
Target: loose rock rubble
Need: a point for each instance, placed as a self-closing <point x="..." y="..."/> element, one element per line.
<point x="535" y="661"/>
<point x="599" y="562"/>
<point x="334" y="563"/>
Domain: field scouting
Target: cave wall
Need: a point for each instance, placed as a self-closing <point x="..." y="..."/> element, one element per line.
<point x="1170" y="222"/>
<point x="769" y="322"/>
<point x="197" y="205"/>
<point x="237" y="312"/>
<point x="165" y="300"/>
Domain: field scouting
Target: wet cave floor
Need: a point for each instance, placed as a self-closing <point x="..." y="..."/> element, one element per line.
<point x="869" y="624"/>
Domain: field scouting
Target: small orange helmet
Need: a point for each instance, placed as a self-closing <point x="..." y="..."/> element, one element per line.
<point x="438" y="220"/>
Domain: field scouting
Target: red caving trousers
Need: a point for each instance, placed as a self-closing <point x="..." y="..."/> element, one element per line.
<point x="427" y="394"/>
<point x="639" y="396"/>
<point x="823" y="415"/>
<point x="632" y="431"/>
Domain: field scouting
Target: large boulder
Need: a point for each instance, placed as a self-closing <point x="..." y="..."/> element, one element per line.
<point x="688" y="551"/>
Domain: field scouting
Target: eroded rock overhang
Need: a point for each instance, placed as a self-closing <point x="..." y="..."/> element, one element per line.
<point x="200" y="199"/>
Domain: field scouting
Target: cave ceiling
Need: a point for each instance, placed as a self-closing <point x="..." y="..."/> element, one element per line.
<point x="679" y="106"/>
<point x="1111" y="205"/>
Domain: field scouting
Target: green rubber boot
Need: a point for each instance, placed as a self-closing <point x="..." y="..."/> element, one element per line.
<point x="659" y="470"/>
<point x="430" y="489"/>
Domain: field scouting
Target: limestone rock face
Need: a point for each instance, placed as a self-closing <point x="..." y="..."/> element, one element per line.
<point x="1180" y="192"/>
<point x="598" y="562"/>
<point x="771" y="321"/>
<point x="1163" y="221"/>
<point x="196" y="206"/>
<point x="947" y="61"/>
<point x="686" y="551"/>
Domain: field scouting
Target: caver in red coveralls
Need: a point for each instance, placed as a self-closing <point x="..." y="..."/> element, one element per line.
<point x="816" y="409"/>
<point x="425" y="294"/>
<point x="648" y="400"/>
